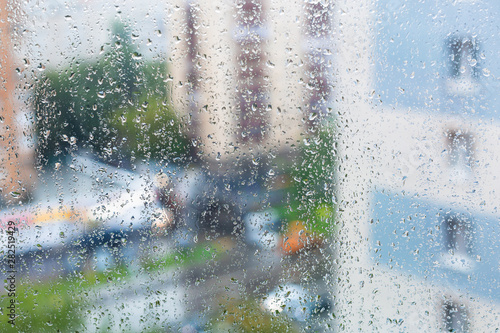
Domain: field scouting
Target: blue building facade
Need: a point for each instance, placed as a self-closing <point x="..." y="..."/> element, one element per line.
<point x="440" y="59"/>
<point x="423" y="46"/>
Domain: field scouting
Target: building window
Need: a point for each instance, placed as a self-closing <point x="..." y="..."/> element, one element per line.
<point x="457" y="241"/>
<point x="463" y="55"/>
<point x="463" y="65"/>
<point x="318" y="32"/>
<point x="192" y="68"/>
<point x="461" y="151"/>
<point x="252" y="96"/>
<point x="457" y="229"/>
<point x="455" y="317"/>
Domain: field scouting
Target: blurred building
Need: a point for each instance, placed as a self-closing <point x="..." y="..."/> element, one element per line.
<point x="250" y="76"/>
<point x="17" y="174"/>
<point x="419" y="154"/>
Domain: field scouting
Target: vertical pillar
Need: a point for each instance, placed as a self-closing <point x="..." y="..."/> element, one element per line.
<point x="252" y="98"/>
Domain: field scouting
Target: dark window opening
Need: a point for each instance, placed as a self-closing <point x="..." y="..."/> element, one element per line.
<point x="458" y="236"/>
<point x="463" y="55"/>
<point x="455" y="317"/>
<point x="461" y="150"/>
<point x="252" y="95"/>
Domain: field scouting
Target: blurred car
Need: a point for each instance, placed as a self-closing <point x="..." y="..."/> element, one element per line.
<point x="102" y="206"/>
<point x="262" y="229"/>
<point x="298" y="303"/>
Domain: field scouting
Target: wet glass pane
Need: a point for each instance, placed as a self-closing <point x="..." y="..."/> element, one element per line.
<point x="249" y="166"/>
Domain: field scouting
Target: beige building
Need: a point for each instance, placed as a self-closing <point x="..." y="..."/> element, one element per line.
<point x="249" y="75"/>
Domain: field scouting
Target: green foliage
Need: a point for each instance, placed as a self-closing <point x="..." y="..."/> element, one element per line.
<point x="247" y="316"/>
<point x="44" y="308"/>
<point x="150" y="129"/>
<point x="78" y="107"/>
<point x="312" y="191"/>
<point x="314" y="175"/>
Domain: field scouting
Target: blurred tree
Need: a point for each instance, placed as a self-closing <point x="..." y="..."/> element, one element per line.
<point x="115" y="106"/>
<point x="150" y="128"/>
<point x="314" y="180"/>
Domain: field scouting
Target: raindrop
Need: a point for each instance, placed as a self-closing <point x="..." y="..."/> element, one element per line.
<point x="270" y="64"/>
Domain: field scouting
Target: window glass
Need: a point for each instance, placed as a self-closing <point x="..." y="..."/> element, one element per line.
<point x="249" y="166"/>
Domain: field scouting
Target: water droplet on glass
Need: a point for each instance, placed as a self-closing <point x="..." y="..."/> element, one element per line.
<point x="15" y="194"/>
<point x="101" y="94"/>
<point x="486" y="72"/>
